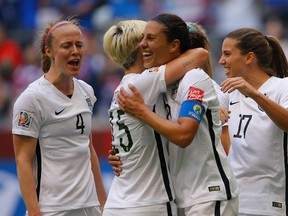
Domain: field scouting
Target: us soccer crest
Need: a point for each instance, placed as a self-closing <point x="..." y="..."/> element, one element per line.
<point x="89" y="103"/>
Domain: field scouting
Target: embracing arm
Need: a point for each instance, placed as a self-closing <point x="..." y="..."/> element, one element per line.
<point x="187" y="61"/>
<point x="24" y="150"/>
<point x="101" y="193"/>
<point x="180" y="133"/>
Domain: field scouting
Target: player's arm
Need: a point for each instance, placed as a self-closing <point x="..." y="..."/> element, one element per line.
<point x="225" y="139"/>
<point x="24" y="150"/>
<point x="277" y="113"/>
<point x="180" y="133"/>
<point x="115" y="162"/>
<point x="101" y="193"/>
<point x="187" y="61"/>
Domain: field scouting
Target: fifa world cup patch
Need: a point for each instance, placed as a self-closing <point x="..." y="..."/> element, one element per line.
<point x="192" y="109"/>
<point x="195" y="94"/>
<point x="25" y="119"/>
<point x="154" y="69"/>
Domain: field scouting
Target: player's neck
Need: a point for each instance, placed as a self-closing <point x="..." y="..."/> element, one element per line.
<point x="63" y="84"/>
<point x="257" y="79"/>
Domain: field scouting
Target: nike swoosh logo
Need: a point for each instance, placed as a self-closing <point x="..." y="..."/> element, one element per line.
<point x="57" y="113"/>
<point x="232" y="103"/>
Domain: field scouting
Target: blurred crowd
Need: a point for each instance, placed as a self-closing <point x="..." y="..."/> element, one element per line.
<point x="21" y="21"/>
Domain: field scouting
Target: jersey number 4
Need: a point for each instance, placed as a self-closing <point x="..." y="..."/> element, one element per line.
<point x="120" y="127"/>
<point x="80" y="123"/>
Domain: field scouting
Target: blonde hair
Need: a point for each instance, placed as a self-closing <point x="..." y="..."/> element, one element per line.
<point x="121" y="41"/>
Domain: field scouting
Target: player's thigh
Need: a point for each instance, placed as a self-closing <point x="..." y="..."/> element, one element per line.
<point x="169" y="209"/>
<point x="223" y="208"/>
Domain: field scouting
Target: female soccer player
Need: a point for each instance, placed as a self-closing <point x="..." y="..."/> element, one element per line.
<point x="57" y="165"/>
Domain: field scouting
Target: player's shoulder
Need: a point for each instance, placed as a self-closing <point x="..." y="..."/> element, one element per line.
<point x="35" y="88"/>
<point x="83" y="85"/>
<point x="84" y="89"/>
<point x="276" y="84"/>
<point x="283" y="81"/>
<point x="276" y="80"/>
<point x="194" y="76"/>
<point x="33" y="93"/>
<point x="196" y="73"/>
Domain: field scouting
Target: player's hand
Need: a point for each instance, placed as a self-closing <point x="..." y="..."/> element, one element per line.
<point x="131" y="103"/>
<point x="224" y="114"/>
<point x="239" y="83"/>
<point x="115" y="162"/>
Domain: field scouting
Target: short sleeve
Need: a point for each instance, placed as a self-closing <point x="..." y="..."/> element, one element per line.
<point x="27" y="115"/>
<point x="151" y="83"/>
<point x="283" y="92"/>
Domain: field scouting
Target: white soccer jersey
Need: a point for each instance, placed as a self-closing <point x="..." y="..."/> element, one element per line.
<point x="62" y="126"/>
<point x="145" y="179"/>
<point x="201" y="171"/>
<point x="258" y="152"/>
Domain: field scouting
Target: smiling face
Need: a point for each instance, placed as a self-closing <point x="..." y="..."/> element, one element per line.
<point x="233" y="61"/>
<point x="156" y="48"/>
<point x="66" y="51"/>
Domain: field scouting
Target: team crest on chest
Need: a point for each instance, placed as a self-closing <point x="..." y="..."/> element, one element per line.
<point x="25" y="119"/>
<point x="114" y="99"/>
<point x="89" y="103"/>
<point x="259" y="107"/>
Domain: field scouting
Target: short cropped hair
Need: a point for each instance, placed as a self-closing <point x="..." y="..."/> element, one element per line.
<point x="121" y="41"/>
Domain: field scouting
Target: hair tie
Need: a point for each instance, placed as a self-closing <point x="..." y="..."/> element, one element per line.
<point x="54" y="27"/>
<point x="191" y="28"/>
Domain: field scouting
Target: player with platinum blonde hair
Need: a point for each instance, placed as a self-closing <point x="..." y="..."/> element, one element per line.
<point x="123" y="48"/>
<point x="203" y="179"/>
<point x="144" y="187"/>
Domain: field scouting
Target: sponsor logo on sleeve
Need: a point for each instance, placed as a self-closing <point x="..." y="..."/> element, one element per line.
<point x="195" y="94"/>
<point x="25" y="119"/>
